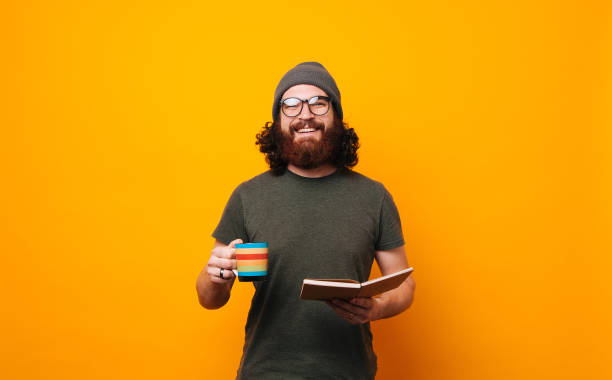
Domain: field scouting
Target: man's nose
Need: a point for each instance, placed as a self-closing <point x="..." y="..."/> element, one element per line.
<point x="305" y="113"/>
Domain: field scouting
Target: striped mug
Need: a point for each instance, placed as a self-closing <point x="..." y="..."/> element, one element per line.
<point x="252" y="261"/>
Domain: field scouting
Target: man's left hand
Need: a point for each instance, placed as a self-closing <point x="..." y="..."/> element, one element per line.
<point x="356" y="310"/>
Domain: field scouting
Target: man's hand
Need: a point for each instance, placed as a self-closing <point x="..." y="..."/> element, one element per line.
<point x="388" y="304"/>
<point x="222" y="261"/>
<point x="356" y="310"/>
<point x="215" y="281"/>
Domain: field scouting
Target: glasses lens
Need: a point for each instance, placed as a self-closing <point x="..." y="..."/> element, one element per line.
<point x="291" y="106"/>
<point x="318" y="105"/>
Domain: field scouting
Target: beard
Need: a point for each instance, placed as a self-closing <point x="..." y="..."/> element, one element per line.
<point x="310" y="153"/>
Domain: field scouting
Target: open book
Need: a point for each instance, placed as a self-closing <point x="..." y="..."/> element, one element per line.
<point x="324" y="289"/>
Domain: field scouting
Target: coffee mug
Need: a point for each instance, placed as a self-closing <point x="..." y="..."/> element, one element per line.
<point x="252" y="261"/>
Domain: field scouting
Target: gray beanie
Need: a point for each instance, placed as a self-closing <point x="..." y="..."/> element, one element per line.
<point x="308" y="73"/>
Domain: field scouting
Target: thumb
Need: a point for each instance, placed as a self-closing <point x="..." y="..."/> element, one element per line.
<point x="233" y="243"/>
<point x="231" y="246"/>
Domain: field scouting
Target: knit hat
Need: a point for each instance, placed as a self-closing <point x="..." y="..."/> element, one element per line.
<point x="308" y="73"/>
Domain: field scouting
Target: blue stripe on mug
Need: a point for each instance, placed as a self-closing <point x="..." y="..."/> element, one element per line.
<point x="243" y="274"/>
<point x="251" y="245"/>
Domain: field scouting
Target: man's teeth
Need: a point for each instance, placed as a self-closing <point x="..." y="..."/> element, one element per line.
<point x="304" y="130"/>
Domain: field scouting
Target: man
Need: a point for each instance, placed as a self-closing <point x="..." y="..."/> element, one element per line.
<point x="321" y="220"/>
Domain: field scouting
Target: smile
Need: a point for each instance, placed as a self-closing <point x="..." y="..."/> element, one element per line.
<point x="306" y="130"/>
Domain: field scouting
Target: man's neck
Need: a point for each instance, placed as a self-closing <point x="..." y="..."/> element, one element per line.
<point x="317" y="172"/>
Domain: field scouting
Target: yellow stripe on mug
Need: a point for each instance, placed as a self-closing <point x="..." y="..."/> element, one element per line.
<point x="252" y="268"/>
<point x="253" y="262"/>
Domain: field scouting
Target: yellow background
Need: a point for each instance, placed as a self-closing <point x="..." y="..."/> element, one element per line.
<point x="125" y="125"/>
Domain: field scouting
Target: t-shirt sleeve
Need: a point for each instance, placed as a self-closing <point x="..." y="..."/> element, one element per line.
<point x="390" y="229"/>
<point x="231" y="226"/>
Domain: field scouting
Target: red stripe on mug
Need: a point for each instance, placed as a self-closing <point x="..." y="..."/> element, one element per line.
<point x="252" y="257"/>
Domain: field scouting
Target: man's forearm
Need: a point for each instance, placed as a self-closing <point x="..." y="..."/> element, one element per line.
<point x="212" y="295"/>
<point x="397" y="300"/>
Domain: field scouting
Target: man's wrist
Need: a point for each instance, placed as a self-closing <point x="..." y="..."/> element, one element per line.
<point x="378" y="308"/>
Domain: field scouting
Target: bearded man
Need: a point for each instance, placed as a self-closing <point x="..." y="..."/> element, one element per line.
<point x="321" y="219"/>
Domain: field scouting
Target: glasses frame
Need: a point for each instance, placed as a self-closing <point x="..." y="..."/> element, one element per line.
<point x="302" y="101"/>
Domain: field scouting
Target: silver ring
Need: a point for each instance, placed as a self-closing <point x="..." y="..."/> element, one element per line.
<point x="221" y="272"/>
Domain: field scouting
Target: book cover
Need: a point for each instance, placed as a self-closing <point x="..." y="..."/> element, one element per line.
<point x="325" y="289"/>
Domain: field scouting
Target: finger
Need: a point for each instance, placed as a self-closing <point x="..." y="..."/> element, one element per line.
<point x="218" y="280"/>
<point x="224" y="252"/>
<point x="346" y="315"/>
<point x="350" y="308"/>
<point x="222" y="263"/>
<point x="233" y="243"/>
<point x="366" y="303"/>
<point x="228" y="274"/>
<point x="232" y="249"/>
<point x="214" y="273"/>
<point x="340" y="311"/>
<point x="229" y="252"/>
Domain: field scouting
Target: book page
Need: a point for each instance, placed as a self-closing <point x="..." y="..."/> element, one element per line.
<point x="332" y="282"/>
<point x="383" y="284"/>
<point x="325" y="290"/>
<point x="398" y="273"/>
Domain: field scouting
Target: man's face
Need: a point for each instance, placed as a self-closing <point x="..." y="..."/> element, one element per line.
<point x="308" y="140"/>
<point x="293" y="125"/>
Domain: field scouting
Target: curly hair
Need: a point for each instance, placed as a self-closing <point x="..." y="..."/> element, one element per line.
<point x="345" y="154"/>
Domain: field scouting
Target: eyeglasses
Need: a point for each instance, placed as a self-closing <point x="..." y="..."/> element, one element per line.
<point x="318" y="105"/>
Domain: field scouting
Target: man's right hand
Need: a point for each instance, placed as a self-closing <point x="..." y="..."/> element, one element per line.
<point x="213" y="288"/>
<point x="222" y="261"/>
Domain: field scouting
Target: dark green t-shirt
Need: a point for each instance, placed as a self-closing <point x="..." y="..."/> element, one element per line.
<point x="327" y="227"/>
